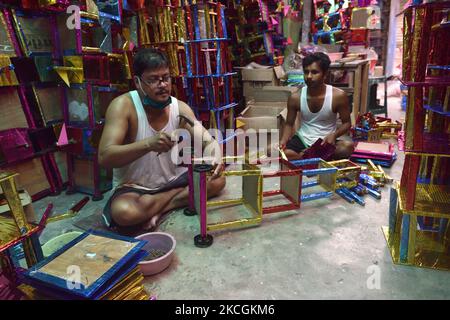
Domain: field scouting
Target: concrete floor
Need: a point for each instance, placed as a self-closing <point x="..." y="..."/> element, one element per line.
<point x="326" y="250"/>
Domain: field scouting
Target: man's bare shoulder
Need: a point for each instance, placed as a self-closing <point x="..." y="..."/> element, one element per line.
<point x="183" y="105"/>
<point x="120" y="106"/>
<point x="184" y="108"/>
<point x="296" y="95"/>
<point x="339" y="93"/>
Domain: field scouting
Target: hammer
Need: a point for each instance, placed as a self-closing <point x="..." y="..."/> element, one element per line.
<point x="189" y="121"/>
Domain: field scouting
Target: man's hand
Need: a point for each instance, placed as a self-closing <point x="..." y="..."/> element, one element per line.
<point x="218" y="170"/>
<point x="277" y="146"/>
<point x="331" y="139"/>
<point x="217" y="161"/>
<point x="281" y="145"/>
<point x="160" y="142"/>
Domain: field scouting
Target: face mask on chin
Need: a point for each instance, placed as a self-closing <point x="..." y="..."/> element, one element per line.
<point x="148" y="102"/>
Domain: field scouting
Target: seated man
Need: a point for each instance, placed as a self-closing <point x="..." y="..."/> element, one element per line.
<point x="319" y="105"/>
<point x="137" y="142"/>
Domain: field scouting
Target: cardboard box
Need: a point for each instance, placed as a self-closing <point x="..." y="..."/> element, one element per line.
<point x="278" y="94"/>
<point x="259" y="116"/>
<point x="250" y="89"/>
<point x="267" y="109"/>
<point x="255" y="79"/>
<point x="279" y="72"/>
<point x="259" y="75"/>
<point x="279" y="90"/>
<point x="271" y="94"/>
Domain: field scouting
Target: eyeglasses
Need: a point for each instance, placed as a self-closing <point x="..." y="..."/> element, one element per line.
<point x="154" y="81"/>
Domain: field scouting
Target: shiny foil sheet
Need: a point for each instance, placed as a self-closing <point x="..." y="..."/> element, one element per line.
<point x="415" y="47"/>
<point x="419" y="120"/>
<point x="425" y="43"/>
<point x="427" y="197"/>
<point x="6" y="42"/>
<point x="44" y="66"/>
<point x="8" y="231"/>
<point x="89" y="178"/>
<point x="290" y="187"/>
<point x="409" y="123"/>
<point x="168" y="25"/>
<point x="44" y="3"/>
<point x="326" y="178"/>
<point x="78" y="105"/>
<point x="15" y="145"/>
<point x="348" y="171"/>
<point x="105" y="39"/>
<point x="25" y="69"/>
<point x="417" y="238"/>
<point x="76" y="71"/>
<point x="49" y="103"/>
<point x="362" y="18"/>
<point x="407" y="37"/>
<point x="131" y="25"/>
<point x="9" y="188"/>
<point x="144" y="37"/>
<point x="96" y="68"/>
<point x="7" y="73"/>
<point x="181" y="25"/>
<point x="108" y="264"/>
<point x="96" y="36"/>
<point x="134" y="5"/>
<point x="109" y="9"/>
<point x="35" y="33"/>
<point x="247" y="211"/>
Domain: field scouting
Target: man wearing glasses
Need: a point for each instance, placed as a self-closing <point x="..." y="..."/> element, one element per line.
<point x="136" y="142"/>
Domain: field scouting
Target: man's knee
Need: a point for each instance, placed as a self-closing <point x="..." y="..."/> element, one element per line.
<point x="344" y="149"/>
<point x="216" y="185"/>
<point x="292" y="155"/>
<point x="348" y="146"/>
<point x="125" y="213"/>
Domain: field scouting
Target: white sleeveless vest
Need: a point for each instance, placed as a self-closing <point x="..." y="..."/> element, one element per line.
<point x="150" y="171"/>
<point x="316" y="125"/>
